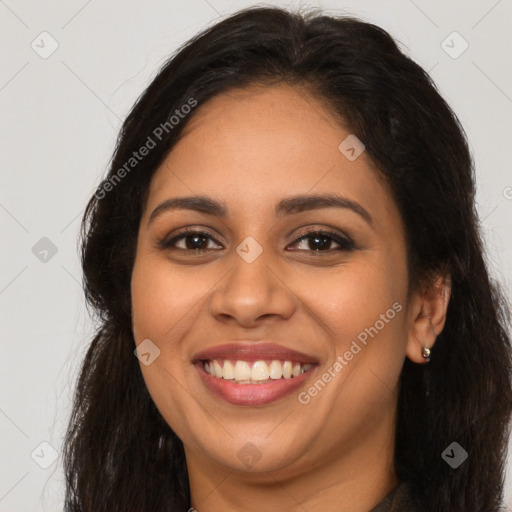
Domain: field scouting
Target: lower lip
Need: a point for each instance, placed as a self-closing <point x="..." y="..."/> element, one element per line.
<point x="252" y="394"/>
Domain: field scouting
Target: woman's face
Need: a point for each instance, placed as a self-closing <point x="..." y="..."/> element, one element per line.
<point x="260" y="274"/>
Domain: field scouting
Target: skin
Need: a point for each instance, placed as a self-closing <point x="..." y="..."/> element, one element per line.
<point x="250" y="148"/>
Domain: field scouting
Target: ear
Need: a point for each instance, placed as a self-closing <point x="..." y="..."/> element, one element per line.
<point x="427" y="316"/>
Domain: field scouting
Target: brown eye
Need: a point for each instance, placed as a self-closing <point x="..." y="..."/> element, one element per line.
<point x="317" y="241"/>
<point x="321" y="241"/>
<point x="196" y="241"/>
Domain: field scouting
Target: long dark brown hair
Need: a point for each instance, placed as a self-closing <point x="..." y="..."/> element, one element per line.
<point x="119" y="453"/>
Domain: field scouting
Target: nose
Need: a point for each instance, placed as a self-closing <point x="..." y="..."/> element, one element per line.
<point x="253" y="291"/>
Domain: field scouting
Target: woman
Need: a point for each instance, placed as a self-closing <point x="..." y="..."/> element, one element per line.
<point x="295" y="312"/>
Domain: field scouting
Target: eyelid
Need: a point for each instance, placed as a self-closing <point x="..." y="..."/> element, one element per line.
<point x="344" y="241"/>
<point x="165" y="242"/>
<point x="327" y="231"/>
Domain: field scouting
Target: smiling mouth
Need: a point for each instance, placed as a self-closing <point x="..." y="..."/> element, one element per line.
<point x="254" y="372"/>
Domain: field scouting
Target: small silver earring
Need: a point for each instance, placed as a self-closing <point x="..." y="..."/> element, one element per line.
<point x="425" y="352"/>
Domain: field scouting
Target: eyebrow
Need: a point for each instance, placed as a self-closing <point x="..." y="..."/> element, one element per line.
<point x="286" y="206"/>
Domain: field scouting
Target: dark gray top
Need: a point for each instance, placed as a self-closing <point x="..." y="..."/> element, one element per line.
<point x="398" y="500"/>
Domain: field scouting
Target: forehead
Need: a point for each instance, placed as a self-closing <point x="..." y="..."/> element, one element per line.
<point x="250" y="147"/>
<point x="284" y="121"/>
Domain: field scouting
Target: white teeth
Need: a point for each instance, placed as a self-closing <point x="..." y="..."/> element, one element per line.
<point x="276" y="370"/>
<point x="242" y="370"/>
<point x="258" y="372"/>
<point x="217" y="368"/>
<point x="227" y="371"/>
<point x="287" y="370"/>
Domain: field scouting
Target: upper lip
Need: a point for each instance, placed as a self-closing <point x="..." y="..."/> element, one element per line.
<point x="253" y="351"/>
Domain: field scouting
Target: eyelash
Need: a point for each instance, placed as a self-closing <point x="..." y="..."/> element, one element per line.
<point x="345" y="243"/>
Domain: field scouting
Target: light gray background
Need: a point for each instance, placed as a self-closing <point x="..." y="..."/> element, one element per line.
<point x="60" y="117"/>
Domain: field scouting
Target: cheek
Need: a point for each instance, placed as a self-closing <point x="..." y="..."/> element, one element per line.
<point x="160" y="298"/>
<point x="161" y="313"/>
<point x="364" y="308"/>
<point x="166" y="303"/>
<point x="359" y="298"/>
